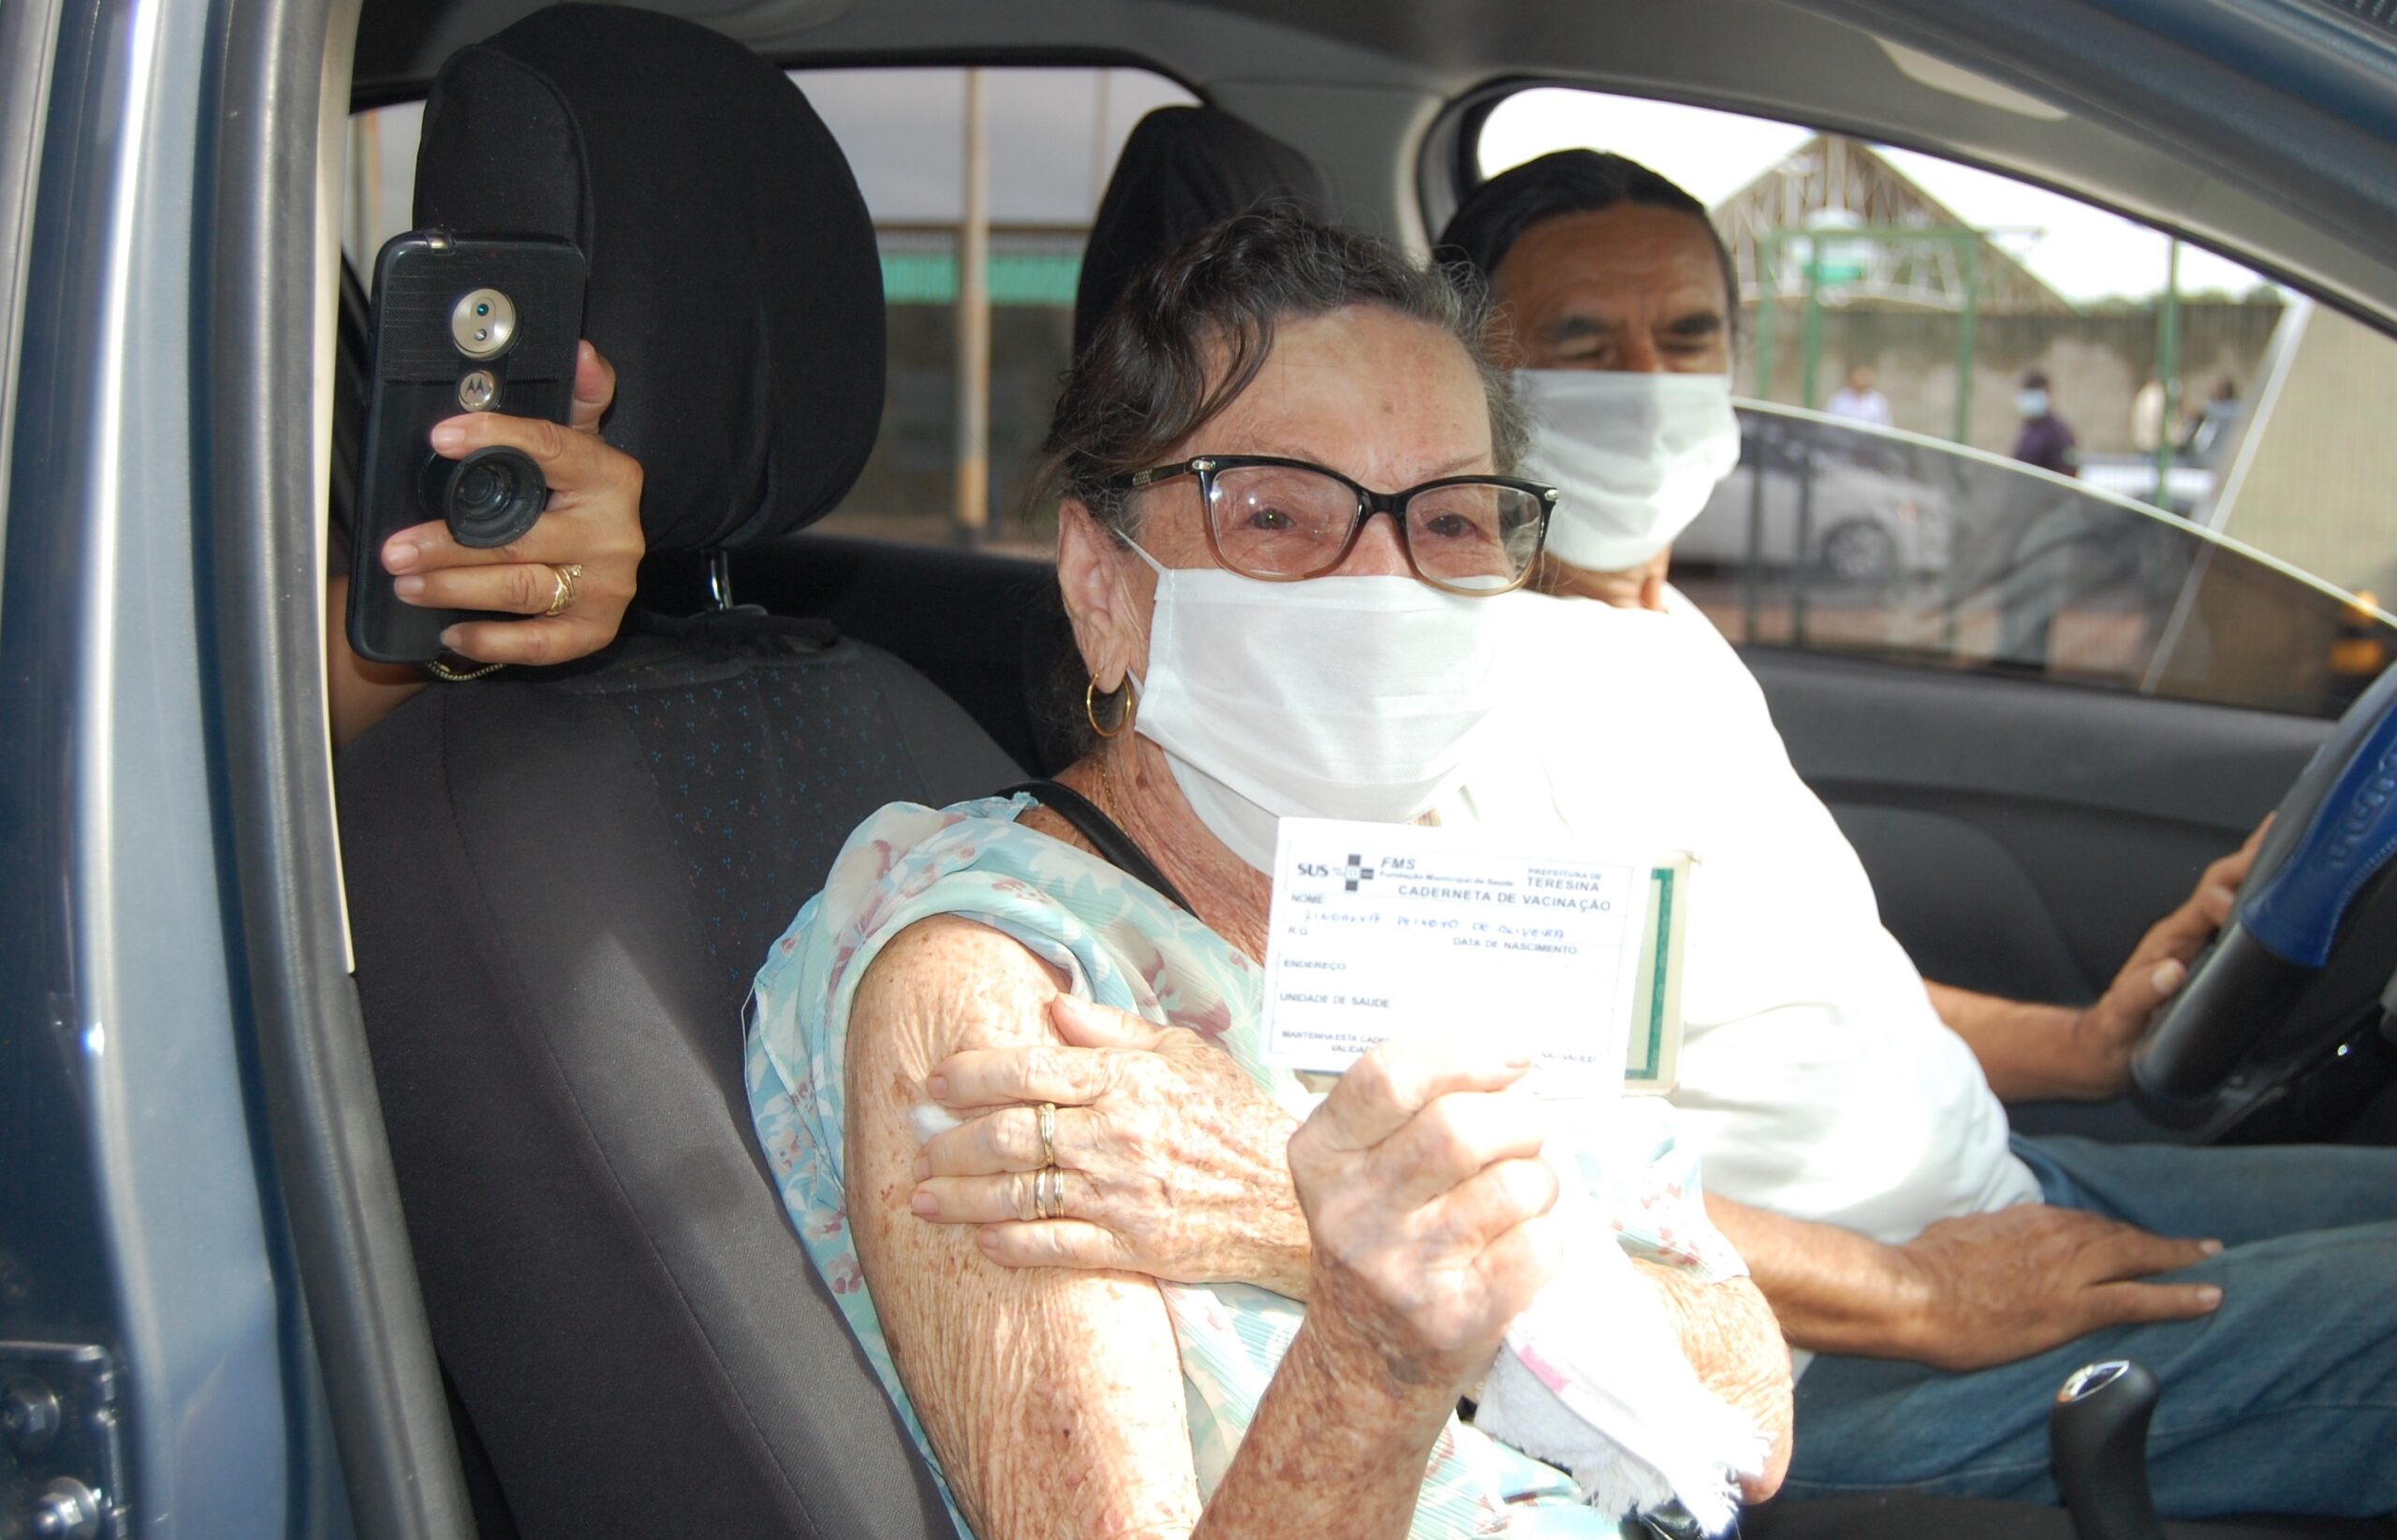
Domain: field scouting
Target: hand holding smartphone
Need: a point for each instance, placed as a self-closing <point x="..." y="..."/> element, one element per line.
<point x="459" y="324"/>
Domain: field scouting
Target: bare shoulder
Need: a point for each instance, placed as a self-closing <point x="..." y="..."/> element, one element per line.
<point x="941" y="985"/>
<point x="1053" y="1398"/>
<point x="949" y="983"/>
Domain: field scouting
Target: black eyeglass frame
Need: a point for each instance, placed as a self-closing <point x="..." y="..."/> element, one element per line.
<point x="1369" y="502"/>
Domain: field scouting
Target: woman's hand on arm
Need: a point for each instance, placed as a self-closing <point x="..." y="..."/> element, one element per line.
<point x="1176" y="1163"/>
<point x="1054" y="1397"/>
<point x="1163" y="1182"/>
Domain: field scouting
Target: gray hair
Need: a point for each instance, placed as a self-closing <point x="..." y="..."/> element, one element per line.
<point x="1151" y="376"/>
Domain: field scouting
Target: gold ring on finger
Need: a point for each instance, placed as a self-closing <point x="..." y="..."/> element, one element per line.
<point x="562" y="599"/>
<point x="1049" y="1193"/>
<point x="1047" y="1112"/>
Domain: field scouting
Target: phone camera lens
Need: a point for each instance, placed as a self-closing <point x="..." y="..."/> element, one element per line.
<point x="483" y="323"/>
<point x="492" y="496"/>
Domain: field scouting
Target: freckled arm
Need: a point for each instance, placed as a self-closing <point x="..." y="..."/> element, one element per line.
<point x="1053" y="1396"/>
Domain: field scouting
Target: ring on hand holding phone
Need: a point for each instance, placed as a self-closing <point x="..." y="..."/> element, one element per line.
<point x="562" y="600"/>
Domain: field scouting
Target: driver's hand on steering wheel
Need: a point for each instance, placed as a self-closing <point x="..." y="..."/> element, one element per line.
<point x="2107" y="1032"/>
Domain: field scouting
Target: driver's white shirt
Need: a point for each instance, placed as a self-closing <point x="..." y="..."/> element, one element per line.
<point x="1816" y="1079"/>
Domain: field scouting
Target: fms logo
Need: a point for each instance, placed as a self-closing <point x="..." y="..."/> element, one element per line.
<point x="1358" y="871"/>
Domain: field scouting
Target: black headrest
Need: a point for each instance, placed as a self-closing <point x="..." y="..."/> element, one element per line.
<point x="1183" y="169"/>
<point x="735" y="283"/>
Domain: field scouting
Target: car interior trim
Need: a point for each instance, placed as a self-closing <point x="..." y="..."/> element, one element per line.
<point x="2245" y="138"/>
<point x="285" y="65"/>
<point x="2337" y="59"/>
<point x="1956" y="80"/>
<point x="28" y="36"/>
<point x="1451" y="168"/>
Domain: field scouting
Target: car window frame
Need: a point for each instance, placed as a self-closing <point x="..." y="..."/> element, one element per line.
<point x="263" y="411"/>
<point x="1447" y="169"/>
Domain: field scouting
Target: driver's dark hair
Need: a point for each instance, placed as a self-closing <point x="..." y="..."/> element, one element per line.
<point x="1193" y="328"/>
<point x="1565" y="182"/>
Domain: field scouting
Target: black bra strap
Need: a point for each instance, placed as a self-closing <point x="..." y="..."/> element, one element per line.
<point x="1103" y="833"/>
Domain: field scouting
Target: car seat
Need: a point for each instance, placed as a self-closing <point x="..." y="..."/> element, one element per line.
<point x="561" y="881"/>
<point x="1182" y="168"/>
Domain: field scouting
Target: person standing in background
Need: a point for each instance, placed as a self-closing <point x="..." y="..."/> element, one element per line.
<point x="1858" y="401"/>
<point x="2203" y="425"/>
<point x="2045" y="439"/>
<point x="2147" y="416"/>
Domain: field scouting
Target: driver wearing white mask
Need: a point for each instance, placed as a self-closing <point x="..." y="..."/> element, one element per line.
<point x="1617" y="299"/>
<point x="1637" y="453"/>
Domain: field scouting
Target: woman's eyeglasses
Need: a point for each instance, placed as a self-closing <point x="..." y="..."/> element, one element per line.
<point x="1280" y="520"/>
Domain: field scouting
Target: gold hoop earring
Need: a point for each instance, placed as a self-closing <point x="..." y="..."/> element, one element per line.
<point x="1090" y="707"/>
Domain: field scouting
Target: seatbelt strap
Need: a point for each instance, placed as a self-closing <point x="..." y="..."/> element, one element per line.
<point x="1106" y="836"/>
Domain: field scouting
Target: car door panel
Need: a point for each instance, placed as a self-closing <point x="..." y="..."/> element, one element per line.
<point x="2000" y="817"/>
<point x="1940" y="877"/>
<point x="2023" y="835"/>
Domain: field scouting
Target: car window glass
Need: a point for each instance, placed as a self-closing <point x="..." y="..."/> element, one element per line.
<point x="1836" y="537"/>
<point x="1987" y="426"/>
<point x="1051" y="137"/>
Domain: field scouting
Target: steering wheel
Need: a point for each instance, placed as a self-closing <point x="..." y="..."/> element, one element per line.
<point x="2310" y="948"/>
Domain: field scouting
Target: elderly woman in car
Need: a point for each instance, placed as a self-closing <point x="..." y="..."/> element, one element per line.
<point x="1225" y="451"/>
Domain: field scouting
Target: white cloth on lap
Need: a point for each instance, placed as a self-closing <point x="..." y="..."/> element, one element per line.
<point x="1593" y="1377"/>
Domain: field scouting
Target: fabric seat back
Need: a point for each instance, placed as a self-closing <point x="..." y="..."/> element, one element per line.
<point x="561" y="881"/>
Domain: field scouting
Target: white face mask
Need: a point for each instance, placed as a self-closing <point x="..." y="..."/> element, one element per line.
<point x="1335" y="697"/>
<point x="1633" y="456"/>
<point x="2031" y="402"/>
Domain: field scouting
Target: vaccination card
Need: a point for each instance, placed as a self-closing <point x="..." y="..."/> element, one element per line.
<point x="1399" y="929"/>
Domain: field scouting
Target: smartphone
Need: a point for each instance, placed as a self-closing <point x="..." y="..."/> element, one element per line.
<point x="459" y="324"/>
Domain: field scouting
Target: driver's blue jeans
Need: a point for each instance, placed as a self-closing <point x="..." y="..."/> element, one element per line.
<point x="2281" y="1400"/>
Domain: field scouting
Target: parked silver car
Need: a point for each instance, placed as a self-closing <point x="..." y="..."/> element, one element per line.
<point x="1813" y="490"/>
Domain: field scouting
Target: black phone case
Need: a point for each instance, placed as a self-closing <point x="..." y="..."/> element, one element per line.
<point x="417" y="370"/>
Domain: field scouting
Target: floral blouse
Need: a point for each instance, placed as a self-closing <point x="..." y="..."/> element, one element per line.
<point x="1122" y="944"/>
